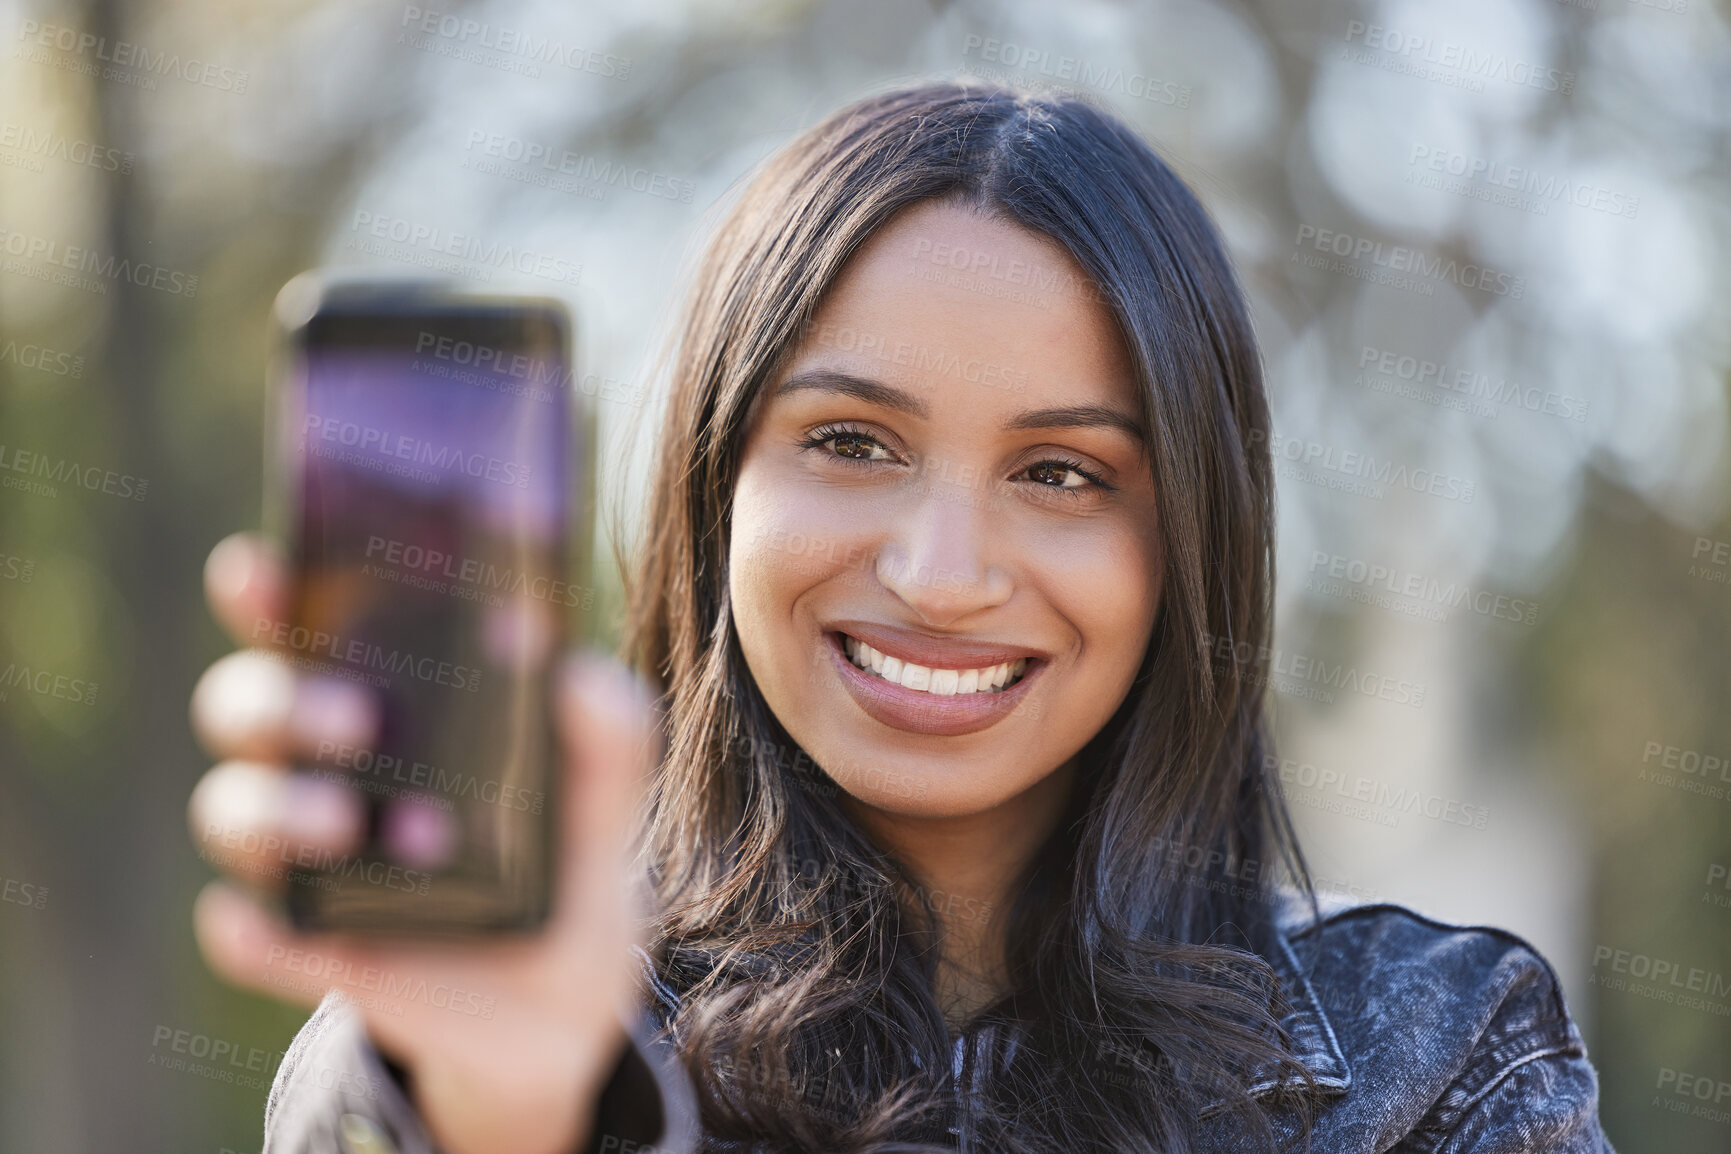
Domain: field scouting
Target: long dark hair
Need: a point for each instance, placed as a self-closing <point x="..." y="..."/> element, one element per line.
<point x="1141" y="998"/>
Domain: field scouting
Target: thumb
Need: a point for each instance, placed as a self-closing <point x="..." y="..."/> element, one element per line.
<point x="611" y="742"/>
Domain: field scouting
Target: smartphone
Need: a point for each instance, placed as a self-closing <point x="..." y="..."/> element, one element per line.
<point x="428" y="476"/>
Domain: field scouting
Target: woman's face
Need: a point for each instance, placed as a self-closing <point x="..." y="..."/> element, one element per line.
<point x="948" y="470"/>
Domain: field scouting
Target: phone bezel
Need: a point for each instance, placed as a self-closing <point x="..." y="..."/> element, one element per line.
<point x="307" y="303"/>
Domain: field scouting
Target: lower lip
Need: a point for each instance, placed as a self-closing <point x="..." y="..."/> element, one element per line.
<point x="916" y="711"/>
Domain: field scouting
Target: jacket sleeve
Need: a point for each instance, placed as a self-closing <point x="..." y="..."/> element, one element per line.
<point x="1549" y="1104"/>
<point x="335" y="1093"/>
<point x="1528" y="1086"/>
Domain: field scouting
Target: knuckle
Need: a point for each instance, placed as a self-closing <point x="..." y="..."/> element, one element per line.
<point x="234" y="800"/>
<point x="241" y="698"/>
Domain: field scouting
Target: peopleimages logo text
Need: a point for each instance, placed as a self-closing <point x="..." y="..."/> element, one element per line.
<point x="46" y="683"/>
<point x="401" y="446"/>
<point x="42" y="359"/>
<point x="437" y="241"/>
<point x="1400" y="258"/>
<point x="318" y="644"/>
<point x="1469" y="383"/>
<point x="125" y="54"/>
<point x="1365" y="467"/>
<point x="492" y="359"/>
<point x="588" y="169"/>
<point x="328" y="970"/>
<point x="514" y="42"/>
<point x="1030" y="62"/>
<point x="1299" y="668"/>
<point x="1334" y="568"/>
<point x="53" y="253"/>
<point x="481" y="574"/>
<point x="1545" y="187"/>
<point x="1476" y="64"/>
<point x="51" y="145"/>
<point x="64" y="471"/>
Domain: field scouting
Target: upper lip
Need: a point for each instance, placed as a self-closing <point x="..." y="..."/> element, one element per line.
<point x="931" y="651"/>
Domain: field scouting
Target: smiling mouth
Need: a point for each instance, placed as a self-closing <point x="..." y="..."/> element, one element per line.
<point x="927" y="679"/>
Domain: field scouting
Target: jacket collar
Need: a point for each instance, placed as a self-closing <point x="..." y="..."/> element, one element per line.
<point x="1314" y="1044"/>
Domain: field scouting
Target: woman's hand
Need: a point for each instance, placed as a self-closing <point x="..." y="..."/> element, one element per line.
<point x="524" y="1079"/>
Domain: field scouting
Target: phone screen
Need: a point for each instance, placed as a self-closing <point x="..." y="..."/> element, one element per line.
<point x="427" y="470"/>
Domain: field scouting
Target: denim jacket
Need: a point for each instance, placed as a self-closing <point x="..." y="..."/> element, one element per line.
<point x="1422" y="1037"/>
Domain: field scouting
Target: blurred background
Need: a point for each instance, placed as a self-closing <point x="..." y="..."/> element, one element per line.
<point x="1486" y="242"/>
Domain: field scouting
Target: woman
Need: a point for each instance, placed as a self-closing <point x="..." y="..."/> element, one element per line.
<point x="963" y="832"/>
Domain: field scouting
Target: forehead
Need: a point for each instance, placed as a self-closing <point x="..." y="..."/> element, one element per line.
<point x="943" y="296"/>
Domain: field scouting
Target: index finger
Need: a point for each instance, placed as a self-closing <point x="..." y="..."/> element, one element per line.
<point x="245" y="582"/>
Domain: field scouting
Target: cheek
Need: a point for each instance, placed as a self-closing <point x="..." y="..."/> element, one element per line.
<point x="789" y="534"/>
<point x="1107" y="586"/>
<point x="757" y="558"/>
<point x="784" y="542"/>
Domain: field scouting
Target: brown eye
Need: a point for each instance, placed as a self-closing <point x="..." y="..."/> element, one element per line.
<point x="1048" y="471"/>
<point x="859" y="449"/>
<point x="849" y="444"/>
<point x="1058" y="468"/>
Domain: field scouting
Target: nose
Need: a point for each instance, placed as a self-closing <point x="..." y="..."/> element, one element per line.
<point x="939" y="560"/>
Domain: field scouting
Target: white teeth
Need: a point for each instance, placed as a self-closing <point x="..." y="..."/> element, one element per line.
<point x="943" y="682"/>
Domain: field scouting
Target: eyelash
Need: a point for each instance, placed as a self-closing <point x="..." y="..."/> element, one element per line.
<point x="824" y="434"/>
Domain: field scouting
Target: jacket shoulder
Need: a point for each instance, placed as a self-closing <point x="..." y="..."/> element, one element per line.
<point x="333" y="1087"/>
<point x="1387" y="965"/>
<point x="1449" y="1029"/>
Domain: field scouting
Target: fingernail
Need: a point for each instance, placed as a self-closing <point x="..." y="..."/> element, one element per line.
<point x="320" y="812"/>
<point x="244" y="797"/>
<point x="256" y="695"/>
<point x="419" y="834"/>
<point x="228" y="568"/>
<point x="328" y="710"/>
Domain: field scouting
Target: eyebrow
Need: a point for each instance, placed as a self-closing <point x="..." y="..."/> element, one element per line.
<point x="889" y="397"/>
